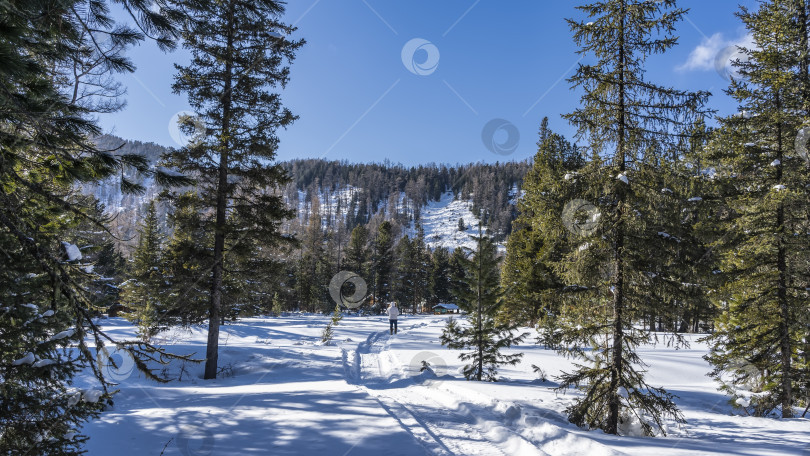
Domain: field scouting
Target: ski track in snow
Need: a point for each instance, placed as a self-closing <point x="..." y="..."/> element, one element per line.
<point x="364" y="395"/>
<point x="446" y="421"/>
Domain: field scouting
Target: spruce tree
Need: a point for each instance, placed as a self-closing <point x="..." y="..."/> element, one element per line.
<point x="46" y="149"/>
<point x="143" y="289"/>
<point x="440" y="277"/>
<point x="309" y="275"/>
<point x="357" y="254"/>
<point x="535" y="247"/>
<point x="405" y="274"/>
<point x="763" y="244"/>
<point x="481" y="333"/>
<point x="382" y="267"/>
<point x="329" y="331"/>
<point x="422" y="264"/>
<point x="618" y="273"/>
<point x="186" y="264"/>
<point x="240" y="54"/>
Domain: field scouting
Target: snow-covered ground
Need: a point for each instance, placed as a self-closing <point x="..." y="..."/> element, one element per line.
<point x="440" y="221"/>
<point x="286" y="394"/>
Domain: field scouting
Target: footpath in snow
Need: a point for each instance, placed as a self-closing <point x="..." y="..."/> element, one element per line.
<point x="283" y="393"/>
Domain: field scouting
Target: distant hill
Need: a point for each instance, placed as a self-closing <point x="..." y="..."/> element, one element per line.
<point x="433" y="196"/>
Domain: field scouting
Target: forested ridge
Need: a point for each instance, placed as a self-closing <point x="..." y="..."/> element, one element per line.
<point x="364" y="189"/>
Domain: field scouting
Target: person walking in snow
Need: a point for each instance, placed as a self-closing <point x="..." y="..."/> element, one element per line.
<point x="393" y="313"/>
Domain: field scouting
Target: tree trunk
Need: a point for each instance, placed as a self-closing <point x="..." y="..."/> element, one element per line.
<point x="215" y="308"/>
<point x="785" y="347"/>
<point x="617" y="360"/>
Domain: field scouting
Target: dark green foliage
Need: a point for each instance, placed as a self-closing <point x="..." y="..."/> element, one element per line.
<point x="187" y="263"/>
<point x="311" y="274"/>
<point x="481" y="333"/>
<point x="240" y="55"/>
<point x="531" y="283"/>
<point x="46" y="149"/>
<point x="357" y="252"/>
<point x="762" y="200"/>
<point x="621" y="272"/>
<point x="382" y="269"/>
<point x="144" y="288"/>
<point x="411" y="274"/>
<point x="440" y="284"/>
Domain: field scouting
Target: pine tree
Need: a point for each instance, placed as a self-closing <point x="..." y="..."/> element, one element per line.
<point x="457" y="278"/>
<point x="276" y="306"/>
<point x="482" y="334"/>
<point x="440" y="277"/>
<point x="382" y="267"/>
<point x="240" y="54"/>
<point x="142" y="292"/>
<point x="329" y="331"/>
<point x="617" y="276"/>
<point x="46" y="131"/>
<point x="461" y="226"/>
<point x="357" y="254"/>
<point x="531" y="282"/>
<point x="422" y="264"/>
<point x="310" y="274"/>
<point x="186" y="263"/>
<point x="761" y="187"/>
<point x="405" y="274"/>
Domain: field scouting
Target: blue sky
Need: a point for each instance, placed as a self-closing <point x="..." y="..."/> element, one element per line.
<point x="361" y="98"/>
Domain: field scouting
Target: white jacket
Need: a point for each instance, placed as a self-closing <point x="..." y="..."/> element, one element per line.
<point x="393" y="312"/>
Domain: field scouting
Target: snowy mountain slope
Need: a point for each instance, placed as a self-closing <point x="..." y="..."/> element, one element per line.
<point x="440" y="222"/>
<point x="282" y="392"/>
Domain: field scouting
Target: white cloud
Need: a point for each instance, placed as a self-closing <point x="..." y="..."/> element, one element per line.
<point x="715" y="53"/>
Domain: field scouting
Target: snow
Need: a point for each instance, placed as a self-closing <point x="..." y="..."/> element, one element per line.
<point x="779" y="187"/>
<point x="695" y="199"/>
<point x="63" y="335"/>
<point x="73" y="252"/>
<point x="43" y="363"/>
<point x="666" y="235"/>
<point x="776" y="162"/>
<point x="365" y="395"/>
<point x="27" y="359"/>
<point x="666" y="190"/>
<point x="440" y="221"/>
<point x="623" y="177"/>
<point x="92" y="395"/>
